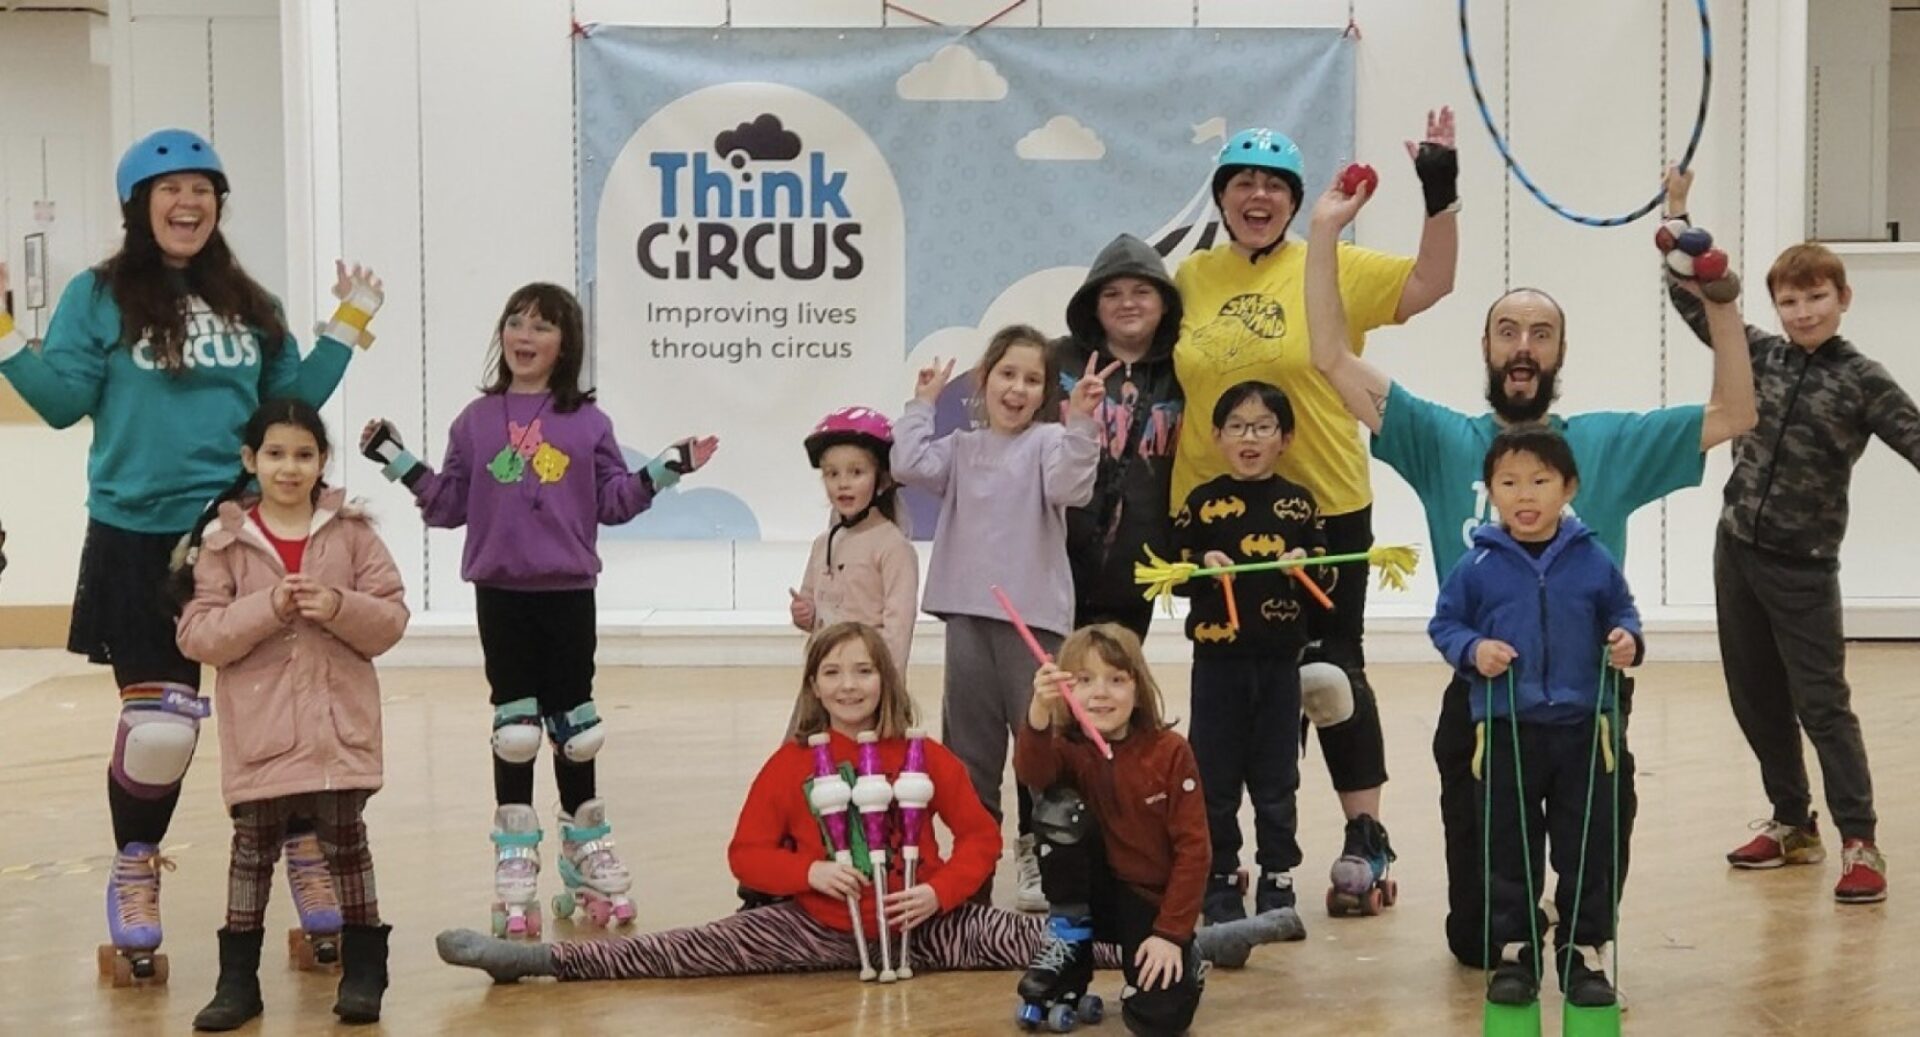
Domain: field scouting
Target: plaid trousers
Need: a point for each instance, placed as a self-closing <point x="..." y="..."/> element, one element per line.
<point x="260" y="826"/>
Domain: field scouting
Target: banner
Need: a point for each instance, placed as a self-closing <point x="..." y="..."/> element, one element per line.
<point x="777" y="223"/>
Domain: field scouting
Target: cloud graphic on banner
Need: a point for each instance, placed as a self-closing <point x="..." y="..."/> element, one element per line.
<point x="954" y="73"/>
<point x="1062" y="139"/>
<point x="763" y="139"/>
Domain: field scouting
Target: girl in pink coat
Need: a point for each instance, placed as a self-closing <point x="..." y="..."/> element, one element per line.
<point x="293" y="595"/>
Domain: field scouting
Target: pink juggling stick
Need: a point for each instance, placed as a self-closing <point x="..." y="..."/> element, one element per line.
<point x="913" y="790"/>
<point x="873" y="795"/>
<point x="830" y="798"/>
<point x="1066" y="683"/>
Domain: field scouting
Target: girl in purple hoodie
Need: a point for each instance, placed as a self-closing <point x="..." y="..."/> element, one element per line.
<point x="533" y="470"/>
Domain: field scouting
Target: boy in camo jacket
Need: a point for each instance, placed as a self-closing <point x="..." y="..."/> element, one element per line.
<point x="1776" y="568"/>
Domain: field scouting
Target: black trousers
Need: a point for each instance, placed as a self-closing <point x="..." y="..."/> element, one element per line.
<point x="1461" y="806"/>
<point x="1355" y="748"/>
<point x="1077" y="879"/>
<point x="539" y="645"/>
<point x="1561" y="796"/>
<point x="1246" y="719"/>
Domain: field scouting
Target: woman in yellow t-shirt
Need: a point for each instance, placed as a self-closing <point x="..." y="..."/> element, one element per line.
<point x="1245" y="319"/>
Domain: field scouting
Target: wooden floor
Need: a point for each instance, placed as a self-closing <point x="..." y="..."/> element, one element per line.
<point x="1704" y="950"/>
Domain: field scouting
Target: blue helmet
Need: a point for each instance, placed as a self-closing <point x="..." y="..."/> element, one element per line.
<point x="1260" y="149"/>
<point x="167" y="151"/>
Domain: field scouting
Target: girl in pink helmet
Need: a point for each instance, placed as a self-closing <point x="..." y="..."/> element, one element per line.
<point x="863" y="568"/>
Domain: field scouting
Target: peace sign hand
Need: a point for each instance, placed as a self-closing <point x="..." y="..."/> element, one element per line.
<point x="932" y="379"/>
<point x="1091" y="389"/>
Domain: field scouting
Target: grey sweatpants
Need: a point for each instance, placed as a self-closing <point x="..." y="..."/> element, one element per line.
<point x="989" y="683"/>
<point x="1785" y="657"/>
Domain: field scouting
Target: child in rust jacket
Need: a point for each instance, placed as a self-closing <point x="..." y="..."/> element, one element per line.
<point x="293" y="596"/>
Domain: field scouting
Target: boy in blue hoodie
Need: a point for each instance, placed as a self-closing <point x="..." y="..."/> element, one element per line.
<point x="1537" y="601"/>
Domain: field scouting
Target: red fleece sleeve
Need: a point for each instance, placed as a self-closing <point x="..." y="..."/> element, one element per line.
<point x="976" y="838"/>
<point x="1192" y="847"/>
<point x="755" y="855"/>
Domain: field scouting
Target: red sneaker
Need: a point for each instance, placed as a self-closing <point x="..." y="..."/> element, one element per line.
<point x="1863" y="874"/>
<point x="1779" y="845"/>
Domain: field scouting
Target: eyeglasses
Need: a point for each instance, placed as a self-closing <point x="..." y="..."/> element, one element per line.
<point x="1257" y="430"/>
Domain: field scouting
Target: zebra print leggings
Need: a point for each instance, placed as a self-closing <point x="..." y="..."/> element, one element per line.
<point x="784" y="938"/>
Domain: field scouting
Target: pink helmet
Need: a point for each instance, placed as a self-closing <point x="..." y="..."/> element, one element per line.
<point x="855" y="426"/>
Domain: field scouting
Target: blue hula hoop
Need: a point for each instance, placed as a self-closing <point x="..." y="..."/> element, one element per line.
<point x="1506" y="154"/>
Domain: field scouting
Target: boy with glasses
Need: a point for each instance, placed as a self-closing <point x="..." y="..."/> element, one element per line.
<point x="1246" y="651"/>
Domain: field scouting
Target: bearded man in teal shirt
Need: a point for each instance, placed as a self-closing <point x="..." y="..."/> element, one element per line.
<point x="1626" y="459"/>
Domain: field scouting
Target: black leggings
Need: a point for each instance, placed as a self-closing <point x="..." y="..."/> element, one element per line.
<point x="539" y="645"/>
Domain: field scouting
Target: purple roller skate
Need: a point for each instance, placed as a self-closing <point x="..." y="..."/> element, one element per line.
<point x="133" y="918"/>
<point x="316" y="943"/>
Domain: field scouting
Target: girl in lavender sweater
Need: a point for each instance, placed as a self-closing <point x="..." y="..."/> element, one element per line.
<point x="533" y="470"/>
<point x="1004" y="490"/>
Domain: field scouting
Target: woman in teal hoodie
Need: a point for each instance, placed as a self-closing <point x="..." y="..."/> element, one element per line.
<point x="1534" y="617"/>
<point x="168" y="347"/>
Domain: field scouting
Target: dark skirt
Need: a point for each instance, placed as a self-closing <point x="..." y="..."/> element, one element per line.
<point x="123" y="612"/>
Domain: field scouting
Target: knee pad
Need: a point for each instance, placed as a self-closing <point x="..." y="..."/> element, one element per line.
<point x="1326" y="694"/>
<point x="1061" y="817"/>
<point x="159" y="729"/>
<point x="1355" y="748"/>
<point x="577" y="734"/>
<point x="516" y="731"/>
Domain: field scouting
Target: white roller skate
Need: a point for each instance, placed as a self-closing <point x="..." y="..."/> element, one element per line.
<point x="516" y="872"/>
<point x="597" y="881"/>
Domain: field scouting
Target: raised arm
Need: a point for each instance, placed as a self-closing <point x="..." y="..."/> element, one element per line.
<point x="1362" y="387"/>
<point x="918" y="458"/>
<point x="1438" y="165"/>
<point x="63" y="382"/>
<point x="1731" y="410"/>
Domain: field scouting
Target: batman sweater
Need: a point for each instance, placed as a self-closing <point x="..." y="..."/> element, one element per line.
<point x="1249" y="521"/>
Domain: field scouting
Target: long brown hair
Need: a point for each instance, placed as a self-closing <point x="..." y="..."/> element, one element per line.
<point x="153" y="299"/>
<point x="1119" y="648"/>
<point x="892" y="715"/>
<point x="1006" y="338"/>
<point x="554" y="304"/>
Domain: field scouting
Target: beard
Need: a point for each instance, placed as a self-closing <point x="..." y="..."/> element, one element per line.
<point x="1518" y="411"/>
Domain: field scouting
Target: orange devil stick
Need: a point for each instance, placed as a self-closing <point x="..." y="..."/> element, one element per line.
<point x="1066" y="682"/>
<point x="1233" y="610"/>
<point x="1313" y="588"/>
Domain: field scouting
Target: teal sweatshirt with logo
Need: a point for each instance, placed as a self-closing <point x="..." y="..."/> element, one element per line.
<point x="163" y="444"/>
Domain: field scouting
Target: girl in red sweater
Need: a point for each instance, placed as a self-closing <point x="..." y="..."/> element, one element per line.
<point x="851" y="685"/>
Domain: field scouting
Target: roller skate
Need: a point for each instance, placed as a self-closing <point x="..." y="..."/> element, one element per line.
<point x="1226" y="897"/>
<point x="596" y="880"/>
<point x="133" y="918"/>
<point x="516" y="872"/>
<point x="1361" y="882"/>
<point x="315" y="944"/>
<point x="1053" y="993"/>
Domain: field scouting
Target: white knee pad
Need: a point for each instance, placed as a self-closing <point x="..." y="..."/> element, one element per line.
<point x="159" y="729"/>
<point x="516" y="731"/>
<point x="1326" y="695"/>
<point x="577" y="734"/>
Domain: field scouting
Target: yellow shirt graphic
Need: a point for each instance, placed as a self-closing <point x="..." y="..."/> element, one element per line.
<point x="1248" y="322"/>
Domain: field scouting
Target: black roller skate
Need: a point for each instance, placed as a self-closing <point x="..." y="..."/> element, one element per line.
<point x="1053" y="993"/>
<point x="1361" y="881"/>
<point x="1226" y="897"/>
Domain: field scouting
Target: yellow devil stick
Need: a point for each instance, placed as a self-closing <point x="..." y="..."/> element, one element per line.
<point x="1160" y="576"/>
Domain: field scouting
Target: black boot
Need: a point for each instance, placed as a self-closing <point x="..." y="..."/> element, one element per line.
<point x="1584" y="986"/>
<point x="1515" y="980"/>
<point x="236" y="995"/>
<point x="363" y="972"/>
